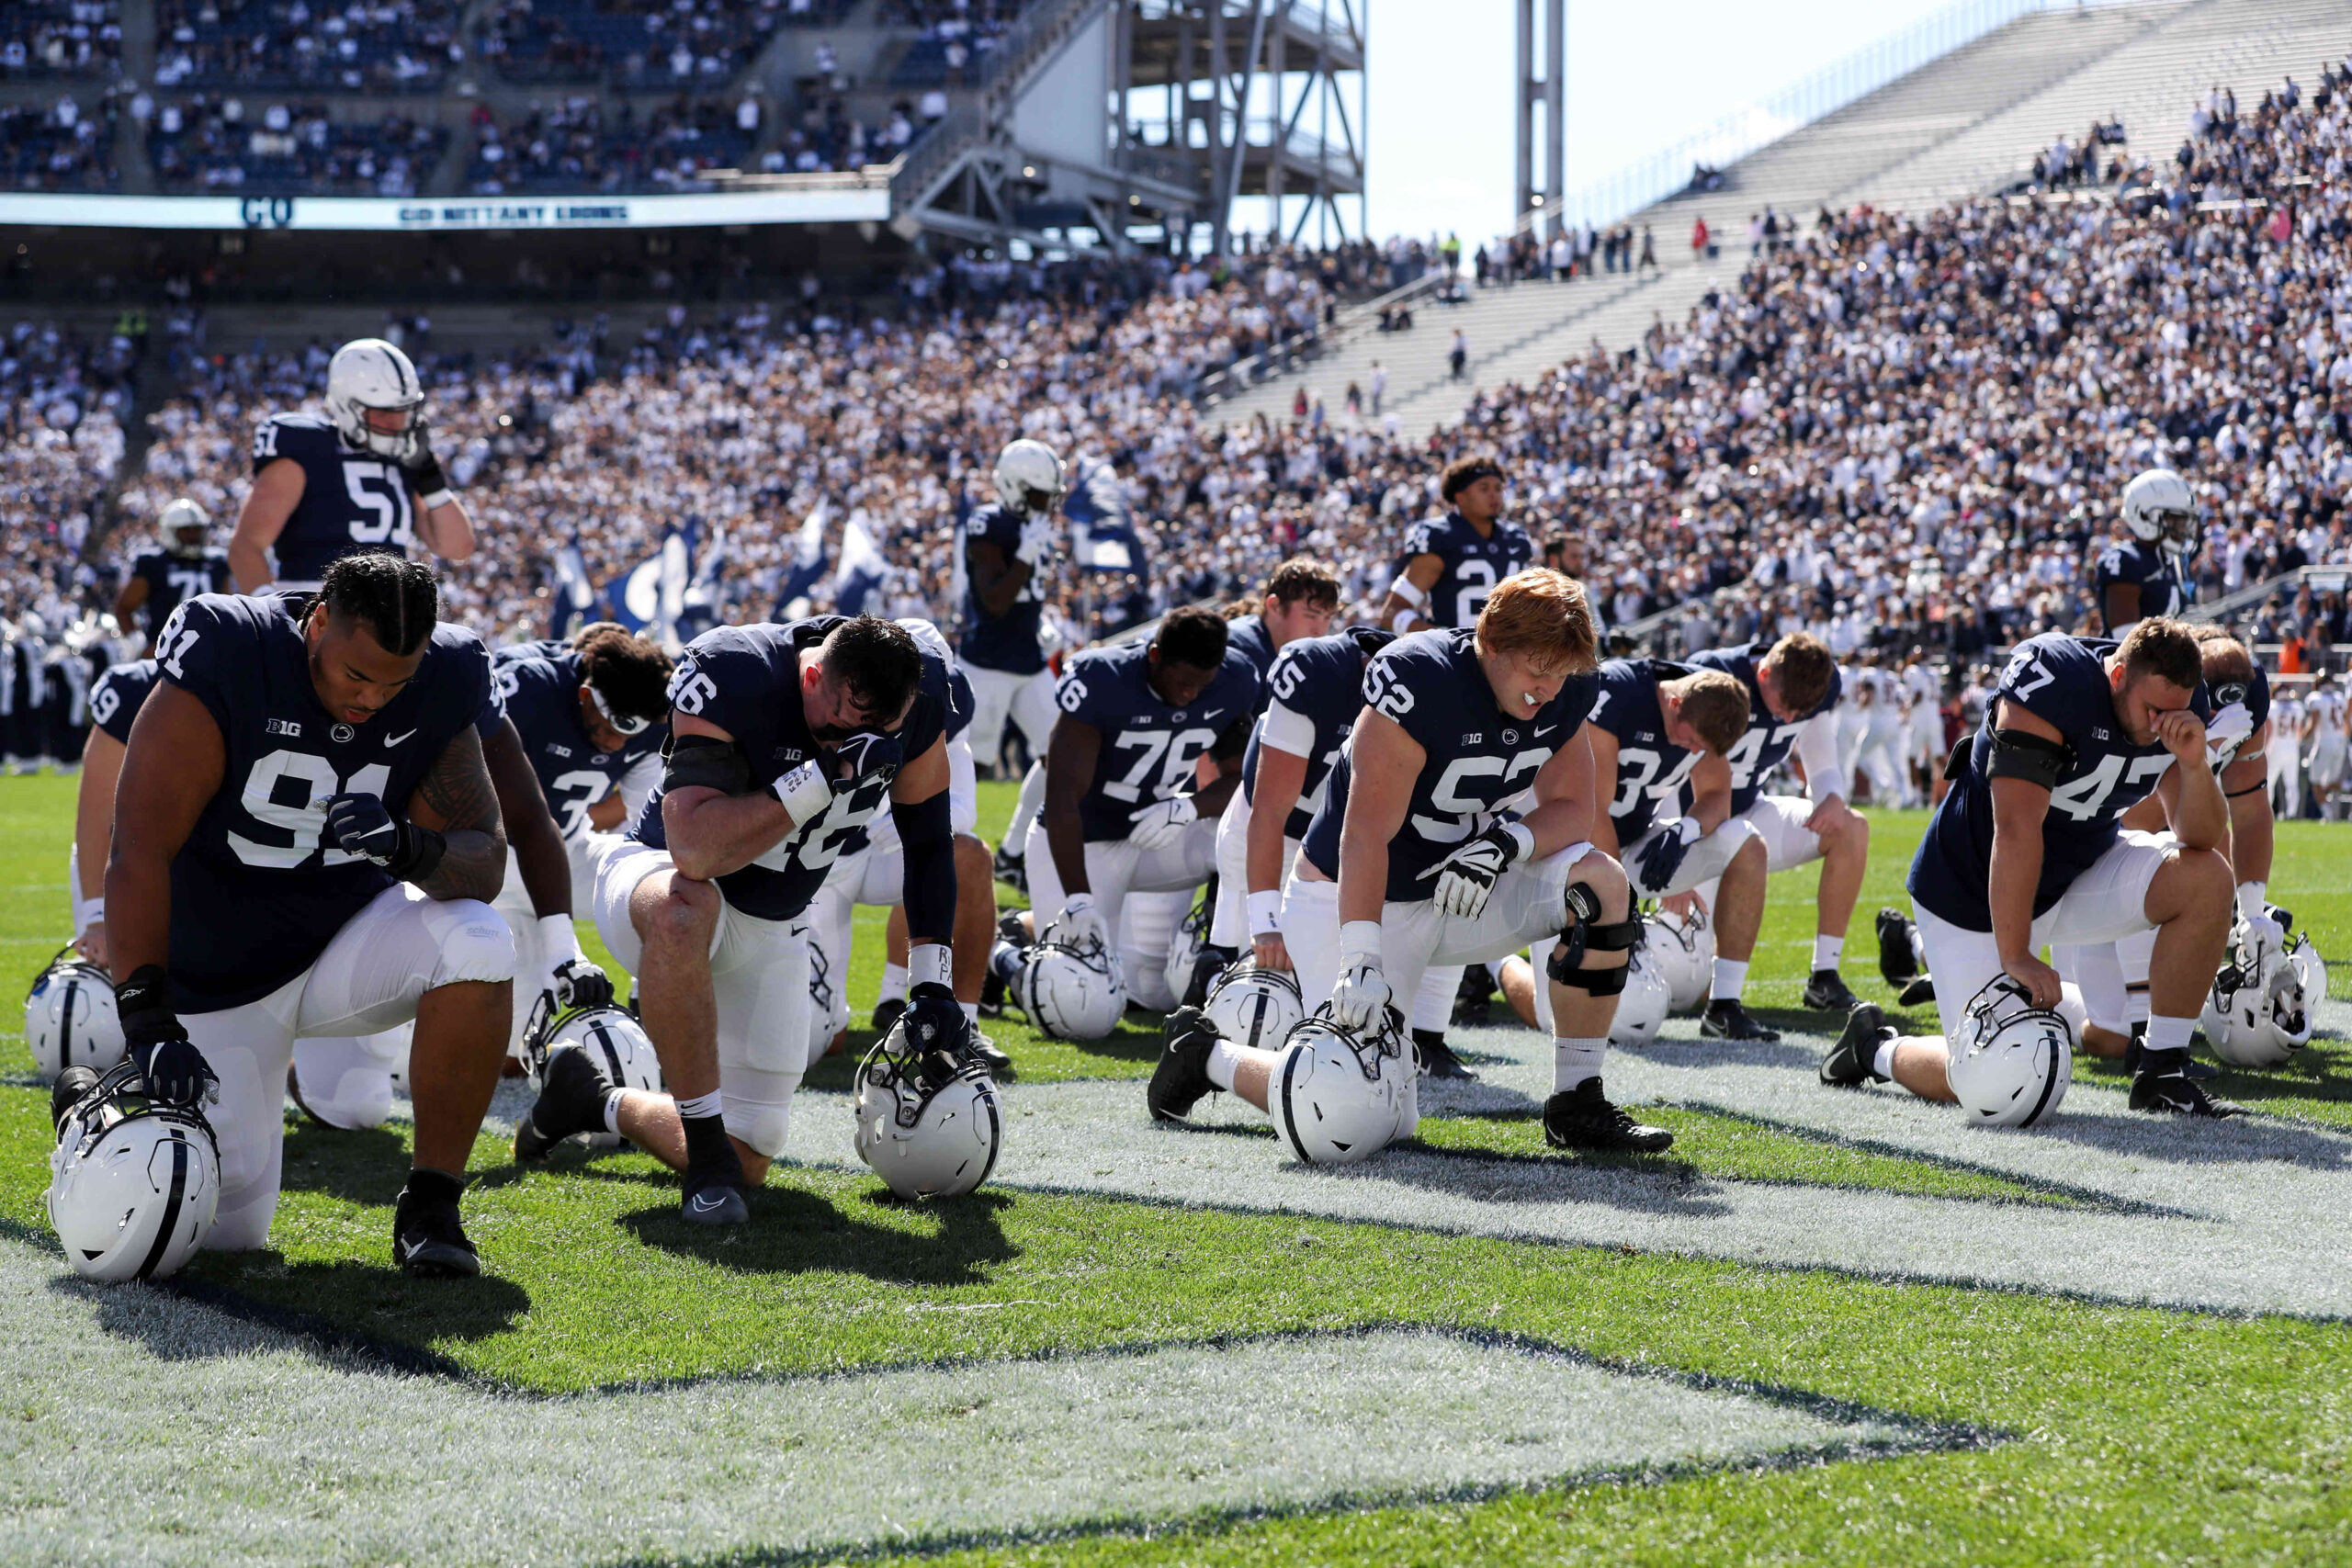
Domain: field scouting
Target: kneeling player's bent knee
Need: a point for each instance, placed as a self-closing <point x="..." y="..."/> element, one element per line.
<point x="683" y="914"/>
<point x="2202" y="874"/>
<point x="759" y="1125"/>
<point x="1607" y="880"/>
<point x="475" y="944"/>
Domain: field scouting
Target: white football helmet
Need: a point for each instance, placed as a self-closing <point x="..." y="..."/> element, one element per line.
<point x="1069" y="991"/>
<point x="1684" y="953"/>
<point x="923" y="1138"/>
<point x="828" y="1003"/>
<point x="1184" y="951"/>
<point x="614" y="1040"/>
<point x="1255" y="1007"/>
<point x="368" y="373"/>
<point x="1029" y="478"/>
<point x="1643" y="1005"/>
<point x="70" y="1020"/>
<point x="2311" y="967"/>
<point x="2159" y="507"/>
<point x="180" y="519"/>
<point x="1339" y="1096"/>
<point x="2015" y="1060"/>
<point x="134" y="1183"/>
<point x="2256" y="1015"/>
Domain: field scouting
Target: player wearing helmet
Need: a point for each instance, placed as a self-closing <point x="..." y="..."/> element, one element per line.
<point x="182" y="565"/>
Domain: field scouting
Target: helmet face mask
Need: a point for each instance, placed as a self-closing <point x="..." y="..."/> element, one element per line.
<point x="2160" y="509"/>
<point x="614" y="1040"/>
<point x="184" y="529"/>
<point x="2258" y="1013"/>
<point x="134" y="1183"/>
<point x="930" y="1127"/>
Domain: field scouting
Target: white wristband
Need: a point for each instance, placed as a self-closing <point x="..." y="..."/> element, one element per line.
<point x="1405" y="588"/>
<point x="1525" y="837"/>
<point x="804" y="792"/>
<point x="1266" y="913"/>
<point x="1689" y="830"/>
<point x="94" y="909"/>
<point x="929" y="964"/>
<point x="1358" y="940"/>
<point x="1402" y="622"/>
<point x="558" y="942"/>
<point x="2252" y="898"/>
<point x="440" y="498"/>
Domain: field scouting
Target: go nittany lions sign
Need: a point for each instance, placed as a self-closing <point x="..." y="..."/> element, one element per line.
<point x="825" y="198"/>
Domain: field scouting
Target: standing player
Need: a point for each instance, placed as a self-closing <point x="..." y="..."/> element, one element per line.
<point x="364" y="479"/>
<point x="2331" y="740"/>
<point x="1122" y="810"/>
<point x="1451" y="563"/>
<point x="185" y="566"/>
<point x="2145" y="574"/>
<point x="2285" y="774"/>
<point x="1418" y="856"/>
<point x="1662" y="733"/>
<point x="2026" y="850"/>
<point x="1794" y="688"/>
<point x="1923" y="743"/>
<point x="1007" y="544"/>
<point x="785" y="740"/>
<point x="306" y="842"/>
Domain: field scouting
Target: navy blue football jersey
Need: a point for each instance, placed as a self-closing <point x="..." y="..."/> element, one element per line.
<point x="2062" y="679"/>
<point x="1148" y="747"/>
<point x="944" y="681"/>
<point x="354" y="502"/>
<point x="746" y="680"/>
<point x="1478" y="756"/>
<point x="1248" y="634"/>
<point x="1473" y="563"/>
<point x="1653" y="774"/>
<point x="119" y="694"/>
<point x="256" y="893"/>
<point x="1321" y="680"/>
<point x="2160" y="577"/>
<point x="1009" y="642"/>
<point x="1768" y="742"/>
<point x="539" y="690"/>
<point x="171" y="579"/>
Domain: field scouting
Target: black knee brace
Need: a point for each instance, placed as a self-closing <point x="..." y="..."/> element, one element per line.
<point x="1585" y="934"/>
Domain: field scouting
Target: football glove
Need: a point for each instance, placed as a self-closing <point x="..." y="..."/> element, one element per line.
<point x="421" y="467"/>
<point x="1362" y="995"/>
<point x="175" y="1069"/>
<point x="1079" y="923"/>
<point x="1037" y="540"/>
<point x="867" y="755"/>
<point x="362" y="825"/>
<point x="1662" y="858"/>
<point x="1162" y="822"/>
<point x="1466" y="877"/>
<point x="936" y="1027"/>
<point x="577" y="983"/>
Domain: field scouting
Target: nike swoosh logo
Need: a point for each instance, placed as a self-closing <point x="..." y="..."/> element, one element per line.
<point x="701" y="1207"/>
<point x="410" y="1248"/>
<point x="1546" y="729"/>
<point x="390" y="741"/>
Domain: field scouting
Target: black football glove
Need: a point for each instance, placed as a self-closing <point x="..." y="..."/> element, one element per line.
<point x="936" y="1029"/>
<point x="421" y="467"/>
<point x="362" y="825"/>
<point x="1659" y="861"/>
<point x="867" y="755"/>
<point x="580" y="984"/>
<point x="175" y="1069"/>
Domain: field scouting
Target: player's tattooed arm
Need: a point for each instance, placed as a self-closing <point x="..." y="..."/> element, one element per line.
<point x="459" y="801"/>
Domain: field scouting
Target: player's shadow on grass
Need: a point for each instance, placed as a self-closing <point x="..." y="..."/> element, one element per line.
<point x="2187" y="1141"/>
<point x="1644" y="1184"/>
<point x="1691" y="1051"/>
<point x="366" y="1166"/>
<point x="797" y="1232"/>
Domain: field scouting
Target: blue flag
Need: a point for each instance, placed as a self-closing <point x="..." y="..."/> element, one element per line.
<point x="574" y="599"/>
<point x="1103" y="536"/>
<point x="807" y="568"/>
<point x="862" y="568"/>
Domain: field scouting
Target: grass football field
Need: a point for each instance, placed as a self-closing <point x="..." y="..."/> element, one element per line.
<point x="1826" y="1328"/>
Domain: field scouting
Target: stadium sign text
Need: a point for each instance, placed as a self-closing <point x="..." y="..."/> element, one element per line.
<point x="834" y="202"/>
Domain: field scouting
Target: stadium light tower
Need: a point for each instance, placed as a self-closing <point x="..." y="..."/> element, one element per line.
<point x="1549" y="89"/>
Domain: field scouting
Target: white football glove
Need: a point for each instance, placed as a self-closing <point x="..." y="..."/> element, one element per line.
<point x="1080" y="922"/>
<point x="2264" y="934"/>
<point x="1467" y="877"/>
<point x="1162" y="822"/>
<point x="1362" y="995"/>
<point x="2225" y="733"/>
<point x="1037" y="540"/>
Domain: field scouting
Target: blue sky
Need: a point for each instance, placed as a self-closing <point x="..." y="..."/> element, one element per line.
<point x="1640" y="78"/>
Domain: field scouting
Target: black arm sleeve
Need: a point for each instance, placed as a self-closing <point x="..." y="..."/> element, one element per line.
<point x="928" y="842"/>
<point x="2021" y="754"/>
<point x="701" y="761"/>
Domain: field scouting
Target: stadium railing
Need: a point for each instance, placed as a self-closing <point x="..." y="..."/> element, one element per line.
<point x="2322" y="580"/>
<point x="1312" y="344"/>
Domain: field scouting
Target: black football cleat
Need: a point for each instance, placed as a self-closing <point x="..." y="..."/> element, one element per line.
<point x="998" y="1064"/>
<point x="1011" y="868"/>
<point x="1438" y="1060"/>
<point x="1850" y="1064"/>
<point x="1181" y="1079"/>
<point x="1473" y="999"/>
<point x="1827" y="992"/>
<point x="715" y="1203"/>
<point x="1918" y="993"/>
<point x="67" y="1092"/>
<point x="1583" y="1118"/>
<point x="1726" y="1019"/>
<point x="1898" y="961"/>
<point x="2189" y="1068"/>
<point x="572" y="1091"/>
<point x="886" y="1011"/>
<point x="2161" y="1086"/>
<point x="429" y="1242"/>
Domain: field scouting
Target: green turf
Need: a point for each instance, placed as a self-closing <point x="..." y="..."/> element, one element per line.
<point x="2127" y="1436"/>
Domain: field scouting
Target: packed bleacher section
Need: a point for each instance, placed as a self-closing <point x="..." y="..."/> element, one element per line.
<point x="953" y="38"/>
<point x="61" y="38"/>
<point x="62" y="400"/>
<point x="636" y="43"/>
<point x="268" y="147"/>
<point x="579" y="145"/>
<point x="375" y="46"/>
<point x="61" y="145"/>
<point x="1897" y="431"/>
